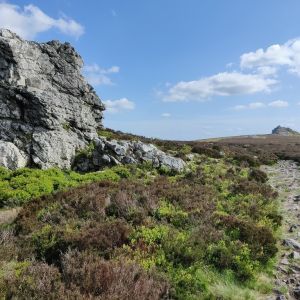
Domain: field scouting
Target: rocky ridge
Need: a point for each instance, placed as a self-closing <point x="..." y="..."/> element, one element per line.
<point x="48" y="112"/>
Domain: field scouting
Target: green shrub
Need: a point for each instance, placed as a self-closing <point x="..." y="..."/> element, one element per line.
<point x="22" y="185"/>
<point x="260" y="240"/>
<point x="122" y="171"/>
<point x="48" y="244"/>
<point x="150" y="236"/>
<point x="232" y="255"/>
<point x="172" y="214"/>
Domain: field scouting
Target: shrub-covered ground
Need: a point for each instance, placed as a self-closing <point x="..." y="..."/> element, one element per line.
<point x="138" y="233"/>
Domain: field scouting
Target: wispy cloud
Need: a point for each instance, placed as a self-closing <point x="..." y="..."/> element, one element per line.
<point x="120" y="105"/>
<point x="31" y="20"/>
<point x="279" y="103"/>
<point x="253" y="105"/>
<point x="166" y="115"/>
<point x="222" y="84"/>
<point x="258" y="105"/>
<point x="96" y="75"/>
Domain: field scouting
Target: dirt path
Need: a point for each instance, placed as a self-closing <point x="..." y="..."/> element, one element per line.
<point x="285" y="178"/>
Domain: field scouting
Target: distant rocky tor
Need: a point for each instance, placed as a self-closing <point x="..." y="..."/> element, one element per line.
<point x="49" y="113"/>
<point x="285" y="131"/>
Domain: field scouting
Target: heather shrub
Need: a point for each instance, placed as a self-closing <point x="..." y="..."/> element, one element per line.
<point x="133" y="201"/>
<point x="33" y="280"/>
<point x="207" y="150"/>
<point x="258" y="176"/>
<point x="130" y="232"/>
<point x="102" y="237"/>
<point x="111" y="279"/>
<point x="246" y="187"/>
<point x="260" y="240"/>
<point x="84" y="202"/>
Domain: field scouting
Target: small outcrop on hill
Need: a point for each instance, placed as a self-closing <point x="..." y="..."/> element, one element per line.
<point x="285" y="131"/>
<point x="48" y="112"/>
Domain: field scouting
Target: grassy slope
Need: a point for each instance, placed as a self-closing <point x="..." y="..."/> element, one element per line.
<point x="134" y="232"/>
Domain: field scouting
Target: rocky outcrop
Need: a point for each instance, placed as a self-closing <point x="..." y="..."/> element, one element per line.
<point x="47" y="109"/>
<point x="116" y="152"/>
<point x="48" y="112"/>
<point x="284" y="131"/>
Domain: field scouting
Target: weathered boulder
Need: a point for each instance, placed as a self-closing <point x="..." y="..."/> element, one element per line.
<point x="11" y="157"/>
<point x="47" y="109"/>
<point x="126" y="152"/>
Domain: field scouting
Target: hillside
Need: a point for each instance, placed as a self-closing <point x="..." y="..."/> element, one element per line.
<point x="147" y="233"/>
<point x="284" y="147"/>
<point x="92" y="213"/>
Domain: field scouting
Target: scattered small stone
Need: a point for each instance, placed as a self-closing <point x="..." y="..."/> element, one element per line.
<point x="297" y="198"/>
<point x="296" y="293"/>
<point x="296" y="268"/>
<point x="292" y="280"/>
<point x="284" y="261"/>
<point x="291" y="243"/>
<point x="292" y="228"/>
<point x="294" y="255"/>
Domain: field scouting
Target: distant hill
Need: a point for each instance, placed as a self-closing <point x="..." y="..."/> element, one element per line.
<point x="285" y="131"/>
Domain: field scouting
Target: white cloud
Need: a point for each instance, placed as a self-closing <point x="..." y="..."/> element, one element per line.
<point x="166" y="115"/>
<point x="115" y="106"/>
<point x="279" y="103"/>
<point x="30" y="20"/>
<point x="222" y="84"/>
<point x="258" y="105"/>
<point x="285" y="55"/>
<point x="253" y="105"/>
<point x="240" y="107"/>
<point x="96" y="75"/>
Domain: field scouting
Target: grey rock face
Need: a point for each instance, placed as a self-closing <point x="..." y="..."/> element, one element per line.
<point x="11" y="157"/>
<point x="47" y="109"/>
<point x="127" y="152"/>
<point x="48" y="112"/>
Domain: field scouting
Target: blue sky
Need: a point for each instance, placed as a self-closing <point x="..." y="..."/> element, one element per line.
<point x="179" y="69"/>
